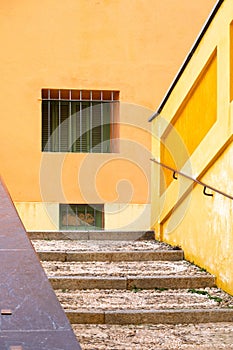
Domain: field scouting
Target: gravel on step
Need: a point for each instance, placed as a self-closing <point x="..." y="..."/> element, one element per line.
<point x="159" y="299"/>
<point x="122" y="269"/>
<point x="155" y="337"/>
<point x="98" y="246"/>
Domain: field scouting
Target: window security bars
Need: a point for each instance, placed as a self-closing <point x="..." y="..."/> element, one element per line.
<point x="81" y="216"/>
<point x="79" y="121"/>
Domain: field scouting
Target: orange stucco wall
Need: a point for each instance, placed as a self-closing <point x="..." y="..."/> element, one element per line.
<point x="134" y="47"/>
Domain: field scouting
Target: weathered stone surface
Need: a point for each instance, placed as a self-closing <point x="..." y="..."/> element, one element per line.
<point x="122" y="317"/>
<point x="58" y="235"/>
<point x="85" y="246"/>
<point x="52" y="256"/>
<point x="87" y="282"/>
<point x="93" y="235"/>
<point x="201" y="336"/>
<point x="175" y="282"/>
<point x="79" y="282"/>
<point x="144" y="299"/>
<point x="111" y="256"/>
<point x="167" y="316"/>
<point x="130" y="269"/>
<point x="35" y="319"/>
<point x="89" y="317"/>
<point x="34" y="340"/>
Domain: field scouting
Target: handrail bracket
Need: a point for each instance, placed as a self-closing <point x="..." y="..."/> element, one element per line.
<point x="177" y="172"/>
<point x="207" y="194"/>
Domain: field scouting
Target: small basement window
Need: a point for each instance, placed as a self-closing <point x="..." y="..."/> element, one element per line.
<point x="79" y="121"/>
<point x="81" y="217"/>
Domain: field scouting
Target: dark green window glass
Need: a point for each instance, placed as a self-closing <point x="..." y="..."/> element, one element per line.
<point x="77" y="125"/>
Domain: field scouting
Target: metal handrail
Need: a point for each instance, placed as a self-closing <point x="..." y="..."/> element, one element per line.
<point x="192" y="179"/>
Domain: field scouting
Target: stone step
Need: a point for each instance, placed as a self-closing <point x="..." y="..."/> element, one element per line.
<point x="128" y="299"/>
<point x="147" y="306"/>
<point x="128" y="283"/>
<point x="93" y="235"/>
<point x="126" y="275"/>
<point x="82" y="246"/>
<point x="101" y="246"/>
<point x="65" y="256"/>
<point x="156" y="299"/>
<point x="109" y="269"/>
<point x="124" y="317"/>
<point x="201" y="336"/>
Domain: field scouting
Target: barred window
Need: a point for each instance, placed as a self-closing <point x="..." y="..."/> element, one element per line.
<point x="79" y="121"/>
<point x="81" y="216"/>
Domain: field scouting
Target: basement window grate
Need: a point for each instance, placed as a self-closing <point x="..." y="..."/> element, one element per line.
<point x="81" y="216"/>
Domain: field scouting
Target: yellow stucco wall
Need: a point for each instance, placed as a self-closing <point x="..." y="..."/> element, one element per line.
<point x="39" y="216"/>
<point x="231" y="61"/>
<point x="182" y="215"/>
<point x="111" y="45"/>
<point x="206" y="231"/>
<point x="193" y="120"/>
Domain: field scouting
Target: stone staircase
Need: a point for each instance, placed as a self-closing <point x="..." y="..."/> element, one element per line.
<point x="124" y="291"/>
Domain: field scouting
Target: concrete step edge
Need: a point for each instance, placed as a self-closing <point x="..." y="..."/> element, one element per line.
<point x="93" y="235"/>
<point x="159" y="255"/>
<point x="171" y="282"/>
<point x="167" y="316"/>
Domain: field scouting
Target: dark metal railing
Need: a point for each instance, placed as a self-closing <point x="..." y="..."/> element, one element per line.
<point x="192" y="179"/>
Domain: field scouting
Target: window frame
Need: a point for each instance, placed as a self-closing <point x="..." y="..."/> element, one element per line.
<point x="65" y="113"/>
